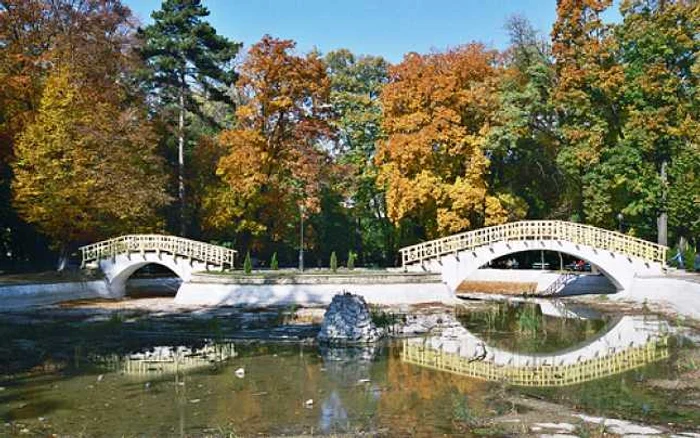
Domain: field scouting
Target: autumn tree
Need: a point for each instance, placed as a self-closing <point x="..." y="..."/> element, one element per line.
<point x="588" y="102"/>
<point x="85" y="168"/>
<point x="656" y="165"/>
<point x="627" y="102"/>
<point x="275" y="161"/>
<point x="356" y="83"/>
<point x="23" y="58"/>
<point x="438" y="110"/>
<point x="187" y="58"/>
<point x="94" y="38"/>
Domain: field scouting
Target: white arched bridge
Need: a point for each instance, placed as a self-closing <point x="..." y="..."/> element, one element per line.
<point x="618" y="256"/>
<point x="120" y="257"/>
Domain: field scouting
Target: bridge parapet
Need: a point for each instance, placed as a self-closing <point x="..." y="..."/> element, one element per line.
<point x="537" y="230"/>
<point x="142" y="243"/>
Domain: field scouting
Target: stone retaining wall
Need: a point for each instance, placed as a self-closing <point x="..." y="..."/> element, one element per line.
<point x="25" y="295"/>
<point x="214" y="294"/>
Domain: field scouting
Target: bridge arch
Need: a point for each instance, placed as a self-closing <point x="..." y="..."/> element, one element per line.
<point x="618" y="256"/>
<point x="120" y="257"/>
<point x="619" y="274"/>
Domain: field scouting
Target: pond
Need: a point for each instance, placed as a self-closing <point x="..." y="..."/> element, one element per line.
<point x="182" y="376"/>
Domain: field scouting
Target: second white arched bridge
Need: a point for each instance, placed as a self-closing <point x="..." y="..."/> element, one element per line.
<point x="120" y="257"/>
<point x="619" y="256"/>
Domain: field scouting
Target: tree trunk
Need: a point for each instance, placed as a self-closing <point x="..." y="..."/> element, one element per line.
<point x="662" y="220"/>
<point x="63" y="255"/>
<point x="181" y="160"/>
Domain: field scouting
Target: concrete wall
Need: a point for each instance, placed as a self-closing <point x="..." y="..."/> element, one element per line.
<point x="588" y="284"/>
<point x="213" y="294"/>
<point x="27" y="295"/>
<point x="677" y="295"/>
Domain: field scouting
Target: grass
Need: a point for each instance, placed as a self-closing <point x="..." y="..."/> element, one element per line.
<point x="586" y="430"/>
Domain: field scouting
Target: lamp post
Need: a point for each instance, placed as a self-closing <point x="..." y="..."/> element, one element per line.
<point x="301" y="238"/>
<point x="619" y="222"/>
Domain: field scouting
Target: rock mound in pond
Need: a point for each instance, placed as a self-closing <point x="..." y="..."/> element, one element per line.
<point x="348" y="321"/>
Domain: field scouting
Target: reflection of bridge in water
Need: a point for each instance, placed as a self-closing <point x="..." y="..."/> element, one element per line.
<point x="633" y="342"/>
<point x="169" y="360"/>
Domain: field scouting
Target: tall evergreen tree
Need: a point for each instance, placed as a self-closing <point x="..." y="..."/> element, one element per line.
<point x="187" y="57"/>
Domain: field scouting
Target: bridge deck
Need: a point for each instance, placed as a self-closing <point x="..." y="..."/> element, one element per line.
<point x="537" y="230"/>
<point x="215" y="255"/>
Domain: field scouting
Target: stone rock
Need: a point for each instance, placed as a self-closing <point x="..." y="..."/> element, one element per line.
<point x="428" y="323"/>
<point x="348" y="321"/>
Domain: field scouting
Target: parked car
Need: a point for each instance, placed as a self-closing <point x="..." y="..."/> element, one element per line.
<point x="579" y="265"/>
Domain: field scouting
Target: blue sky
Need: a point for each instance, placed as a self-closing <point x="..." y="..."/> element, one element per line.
<point x="389" y="28"/>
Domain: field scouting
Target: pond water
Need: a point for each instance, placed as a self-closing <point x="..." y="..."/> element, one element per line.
<point x="128" y="376"/>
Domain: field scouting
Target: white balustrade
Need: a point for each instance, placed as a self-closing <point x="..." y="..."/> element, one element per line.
<point x="537" y="230"/>
<point x="215" y="255"/>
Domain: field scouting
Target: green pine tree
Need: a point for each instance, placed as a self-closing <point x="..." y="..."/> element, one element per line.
<point x="247" y="264"/>
<point x="274" y="264"/>
<point x="184" y="53"/>
<point x="334" y="262"/>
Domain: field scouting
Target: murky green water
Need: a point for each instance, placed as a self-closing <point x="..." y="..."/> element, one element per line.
<point x="114" y="377"/>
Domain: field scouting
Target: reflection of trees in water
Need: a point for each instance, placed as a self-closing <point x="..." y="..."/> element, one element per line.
<point x="522" y="327"/>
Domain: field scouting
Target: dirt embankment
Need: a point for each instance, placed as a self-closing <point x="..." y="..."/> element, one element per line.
<point x="497" y="287"/>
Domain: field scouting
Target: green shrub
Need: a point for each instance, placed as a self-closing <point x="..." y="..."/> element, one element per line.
<point x="670" y="253"/>
<point x="689" y="258"/>
<point x="351" y="260"/>
<point x="334" y="262"/>
<point x="274" y="264"/>
<point x="247" y="264"/>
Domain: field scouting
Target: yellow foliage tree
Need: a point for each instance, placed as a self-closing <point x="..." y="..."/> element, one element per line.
<point x="86" y="168"/>
<point x="433" y="165"/>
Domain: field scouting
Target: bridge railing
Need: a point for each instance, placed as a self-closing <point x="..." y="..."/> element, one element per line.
<point x="177" y="246"/>
<point x="536" y="230"/>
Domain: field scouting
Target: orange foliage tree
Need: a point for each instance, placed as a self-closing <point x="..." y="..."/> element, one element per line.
<point x="275" y="159"/>
<point x="437" y="116"/>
